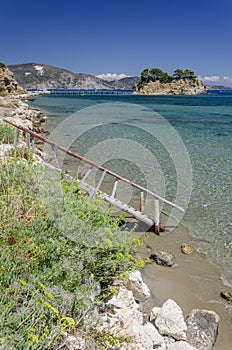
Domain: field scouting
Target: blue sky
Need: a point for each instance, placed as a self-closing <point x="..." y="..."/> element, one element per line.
<point x="122" y="36"/>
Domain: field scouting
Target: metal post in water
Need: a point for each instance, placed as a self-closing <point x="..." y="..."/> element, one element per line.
<point x="114" y="189"/>
<point x="157" y="216"/>
<point x="141" y="205"/>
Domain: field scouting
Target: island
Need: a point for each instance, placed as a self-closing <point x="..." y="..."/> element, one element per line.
<point x="154" y="81"/>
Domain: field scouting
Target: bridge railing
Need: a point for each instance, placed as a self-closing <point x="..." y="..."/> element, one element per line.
<point x="30" y="142"/>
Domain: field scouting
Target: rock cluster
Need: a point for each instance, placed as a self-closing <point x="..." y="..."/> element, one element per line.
<point x="20" y="113"/>
<point x="29" y="117"/>
<point x="7" y="82"/>
<point x="12" y="106"/>
<point x="164" y="329"/>
<point x="176" y="87"/>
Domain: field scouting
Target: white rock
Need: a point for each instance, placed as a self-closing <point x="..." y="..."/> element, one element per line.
<point x="125" y="319"/>
<point x="5" y="148"/>
<point x="180" y="345"/>
<point x="125" y="314"/>
<point x="139" y="289"/>
<point x="123" y="299"/>
<point x="139" y="334"/>
<point x="74" y="343"/>
<point x="166" y="343"/>
<point x="170" y="321"/>
<point x="153" y="334"/>
<point x="154" y="313"/>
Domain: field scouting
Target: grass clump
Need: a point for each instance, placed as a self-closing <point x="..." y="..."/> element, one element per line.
<point x="58" y="250"/>
<point x="6" y="133"/>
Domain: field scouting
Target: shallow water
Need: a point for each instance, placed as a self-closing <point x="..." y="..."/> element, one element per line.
<point x="204" y="123"/>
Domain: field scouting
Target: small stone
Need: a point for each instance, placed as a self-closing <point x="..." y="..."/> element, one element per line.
<point x="187" y="249"/>
<point x="163" y="258"/>
<point x="227" y="295"/>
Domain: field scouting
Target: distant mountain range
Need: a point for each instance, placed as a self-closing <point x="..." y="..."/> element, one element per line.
<point x="218" y="87"/>
<point x="43" y="76"/>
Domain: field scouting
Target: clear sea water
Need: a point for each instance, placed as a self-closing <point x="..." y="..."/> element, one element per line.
<point x="204" y="124"/>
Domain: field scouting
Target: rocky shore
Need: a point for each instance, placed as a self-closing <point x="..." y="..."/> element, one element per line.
<point x="16" y="109"/>
<point x="127" y="314"/>
<point x="163" y="328"/>
<point x="175" y="87"/>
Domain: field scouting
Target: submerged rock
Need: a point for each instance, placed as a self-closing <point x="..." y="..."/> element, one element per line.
<point x="202" y="329"/>
<point x="187" y="249"/>
<point x="227" y="295"/>
<point x="163" y="258"/>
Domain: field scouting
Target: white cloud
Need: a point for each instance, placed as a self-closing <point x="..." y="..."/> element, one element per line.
<point x="227" y="79"/>
<point x="111" y="76"/>
<point x="211" y="78"/>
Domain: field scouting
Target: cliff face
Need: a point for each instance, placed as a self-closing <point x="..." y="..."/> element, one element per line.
<point x="176" y="87"/>
<point x="8" y="85"/>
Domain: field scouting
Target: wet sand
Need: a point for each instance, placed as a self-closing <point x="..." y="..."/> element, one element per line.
<point x="194" y="282"/>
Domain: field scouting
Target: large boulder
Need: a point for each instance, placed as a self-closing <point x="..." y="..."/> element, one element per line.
<point x="170" y="321"/>
<point x="202" y="328"/>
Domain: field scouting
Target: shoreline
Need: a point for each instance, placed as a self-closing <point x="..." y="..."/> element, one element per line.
<point x="183" y="283"/>
<point x="193" y="282"/>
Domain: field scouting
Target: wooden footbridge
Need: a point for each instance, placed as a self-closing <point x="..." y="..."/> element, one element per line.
<point x="139" y="214"/>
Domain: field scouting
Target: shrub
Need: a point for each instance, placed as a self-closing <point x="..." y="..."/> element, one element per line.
<point x="56" y="249"/>
<point x="2" y="65"/>
<point x="6" y="133"/>
<point x="2" y="90"/>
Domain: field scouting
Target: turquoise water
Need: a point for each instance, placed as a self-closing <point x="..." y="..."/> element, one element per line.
<point x="204" y="124"/>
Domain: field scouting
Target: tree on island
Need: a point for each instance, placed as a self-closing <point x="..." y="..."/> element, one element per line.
<point x="156" y="74"/>
<point x="187" y="73"/>
<point x="145" y="75"/>
<point x="178" y="73"/>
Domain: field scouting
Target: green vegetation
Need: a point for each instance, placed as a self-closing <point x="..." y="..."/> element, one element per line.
<point x="57" y="249"/>
<point x="2" y="65"/>
<point x="154" y="74"/>
<point x="6" y="133"/>
<point x="2" y="90"/>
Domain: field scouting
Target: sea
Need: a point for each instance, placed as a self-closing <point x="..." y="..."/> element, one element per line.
<point x="138" y="136"/>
